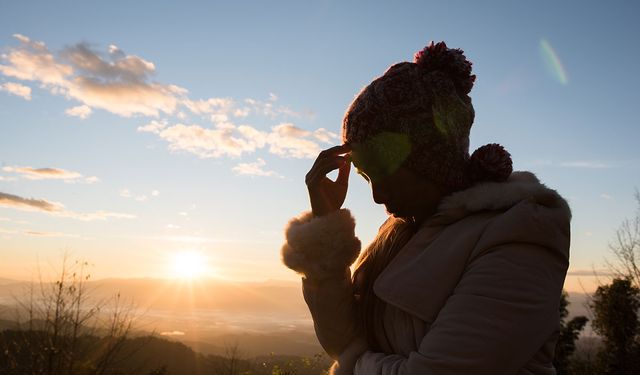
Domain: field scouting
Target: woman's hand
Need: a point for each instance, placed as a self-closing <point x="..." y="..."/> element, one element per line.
<point x="327" y="196"/>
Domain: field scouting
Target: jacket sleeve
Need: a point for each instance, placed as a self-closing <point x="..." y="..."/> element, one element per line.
<point x="322" y="249"/>
<point x="502" y="311"/>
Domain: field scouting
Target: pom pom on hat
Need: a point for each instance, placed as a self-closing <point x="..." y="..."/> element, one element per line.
<point x="451" y="61"/>
<point x="490" y="162"/>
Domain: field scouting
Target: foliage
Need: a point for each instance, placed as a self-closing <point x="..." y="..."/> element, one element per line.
<point x="60" y="334"/>
<point x="569" y="332"/>
<point x="626" y="248"/>
<point x="615" y="308"/>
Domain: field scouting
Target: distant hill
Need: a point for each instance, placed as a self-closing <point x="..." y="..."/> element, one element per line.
<point x="262" y="317"/>
<point x="184" y="295"/>
<point x="153" y="355"/>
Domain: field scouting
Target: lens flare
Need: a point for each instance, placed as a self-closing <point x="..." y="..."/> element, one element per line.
<point x="553" y="63"/>
<point x="188" y="264"/>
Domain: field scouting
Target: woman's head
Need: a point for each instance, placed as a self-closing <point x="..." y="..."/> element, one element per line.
<point x="417" y="116"/>
<point x="426" y="100"/>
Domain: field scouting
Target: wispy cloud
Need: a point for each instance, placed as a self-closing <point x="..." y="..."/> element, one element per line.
<point x="254" y="169"/>
<point x="36" y="233"/>
<point x="227" y="139"/>
<point x="13" y="221"/>
<point x="29" y="204"/>
<point x="288" y="140"/>
<point x="50" y="174"/>
<point x="55" y="208"/>
<point x="126" y="193"/>
<point x="606" y="196"/>
<point x="17" y="89"/>
<point x="589" y="164"/>
<point x="592" y="272"/>
<point x="208" y="106"/>
<point x="81" y="111"/>
<point x="221" y="140"/>
<point x="154" y="127"/>
<point x="584" y="164"/>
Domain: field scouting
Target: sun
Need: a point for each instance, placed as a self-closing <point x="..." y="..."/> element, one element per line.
<point x="188" y="264"/>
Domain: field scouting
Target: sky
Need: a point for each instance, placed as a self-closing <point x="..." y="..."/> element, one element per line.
<point x="164" y="139"/>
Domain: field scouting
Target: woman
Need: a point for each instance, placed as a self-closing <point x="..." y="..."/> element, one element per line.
<point x="465" y="276"/>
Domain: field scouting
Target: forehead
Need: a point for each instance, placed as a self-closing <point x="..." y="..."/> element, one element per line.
<point x="381" y="154"/>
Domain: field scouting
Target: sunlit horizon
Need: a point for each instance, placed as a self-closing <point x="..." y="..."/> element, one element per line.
<point x="129" y="144"/>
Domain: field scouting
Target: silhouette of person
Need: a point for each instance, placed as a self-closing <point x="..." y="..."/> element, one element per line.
<point x="465" y="275"/>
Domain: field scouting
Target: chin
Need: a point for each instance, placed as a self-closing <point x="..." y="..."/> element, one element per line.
<point x="397" y="213"/>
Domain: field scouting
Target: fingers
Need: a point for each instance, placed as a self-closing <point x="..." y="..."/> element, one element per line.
<point x="325" y="165"/>
<point x="335" y="150"/>
<point x="343" y="173"/>
<point x="327" y="161"/>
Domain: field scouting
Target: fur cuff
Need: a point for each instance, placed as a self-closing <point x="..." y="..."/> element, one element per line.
<point x="318" y="247"/>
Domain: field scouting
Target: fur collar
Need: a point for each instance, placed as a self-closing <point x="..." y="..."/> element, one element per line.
<point x="503" y="195"/>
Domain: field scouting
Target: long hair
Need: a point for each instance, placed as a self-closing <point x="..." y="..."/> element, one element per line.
<point x="392" y="236"/>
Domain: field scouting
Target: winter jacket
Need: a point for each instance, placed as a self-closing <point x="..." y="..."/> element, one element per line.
<point x="475" y="291"/>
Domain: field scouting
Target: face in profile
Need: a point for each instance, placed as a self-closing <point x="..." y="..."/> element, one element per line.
<point x="380" y="161"/>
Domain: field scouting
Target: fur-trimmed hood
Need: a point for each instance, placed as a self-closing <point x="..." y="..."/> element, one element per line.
<point x="521" y="185"/>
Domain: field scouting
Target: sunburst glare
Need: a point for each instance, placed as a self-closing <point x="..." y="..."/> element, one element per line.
<point x="188" y="264"/>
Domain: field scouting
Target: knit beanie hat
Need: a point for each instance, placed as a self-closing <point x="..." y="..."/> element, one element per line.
<point x="419" y="114"/>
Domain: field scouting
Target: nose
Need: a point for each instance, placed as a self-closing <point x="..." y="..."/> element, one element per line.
<point x="380" y="193"/>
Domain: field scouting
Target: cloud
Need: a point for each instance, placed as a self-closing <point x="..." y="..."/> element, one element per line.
<point x="254" y="169"/>
<point x="593" y="272"/>
<point x="55" y="209"/>
<point x="17" y="89"/>
<point x="224" y="139"/>
<point x="31" y="173"/>
<point x="116" y="82"/>
<point x="584" y="164"/>
<point x="287" y="140"/>
<point x="29" y="204"/>
<point x="220" y="107"/>
<point x="126" y="193"/>
<point x="124" y="84"/>
<point x="81" y="111"/>
<point x="35" y="233"/>
<point x="268" y="108"/>
<point x="323" y="135"/>
<point x="7" y="231"/>
<point x="154" y="127"/>
<point x="13" y="221"/>
<point x="606" y="196"/>
<point x="569" y="164"/>
<point x="32" y="61"/>
<point x="211" y="105"/>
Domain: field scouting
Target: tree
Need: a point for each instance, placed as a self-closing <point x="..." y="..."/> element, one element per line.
<point x="626" y="248"/>
<point x="615" y="308"/>
<point x="60" y="334"/>
<point x="569" y="332"/>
